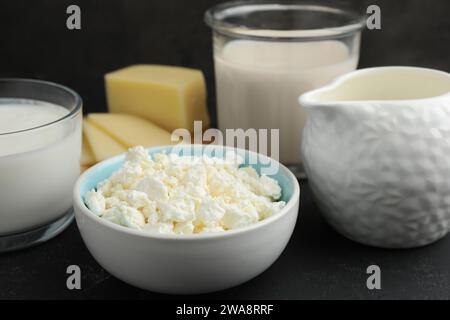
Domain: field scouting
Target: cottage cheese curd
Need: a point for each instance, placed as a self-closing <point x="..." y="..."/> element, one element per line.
<point x="173" y="194"/>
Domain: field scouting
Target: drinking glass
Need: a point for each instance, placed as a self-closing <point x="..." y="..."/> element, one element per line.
<point x="266" y="54"/>
<point x="38" y="164"/>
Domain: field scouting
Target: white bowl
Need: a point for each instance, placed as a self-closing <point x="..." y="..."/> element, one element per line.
<point x="186" y="264"/>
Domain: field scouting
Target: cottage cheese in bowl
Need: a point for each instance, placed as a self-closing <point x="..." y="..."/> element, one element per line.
<point x="182" y="223"/>
<point x="172" y="194"/>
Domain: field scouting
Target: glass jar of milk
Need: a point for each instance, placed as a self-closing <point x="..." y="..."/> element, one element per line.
<point x="267" y="54"/>
<point x="40" y="146"/>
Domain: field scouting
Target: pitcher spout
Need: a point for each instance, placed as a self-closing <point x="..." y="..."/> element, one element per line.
<point x="386" y="85"/>
<point x="313" y="98"/>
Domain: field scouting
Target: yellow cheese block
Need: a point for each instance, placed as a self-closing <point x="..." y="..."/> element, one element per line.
<point x="130" y="130"/>
<point x="87" y="156"/>
<point x="102" y="145"/>
<point x="171" y="97"/>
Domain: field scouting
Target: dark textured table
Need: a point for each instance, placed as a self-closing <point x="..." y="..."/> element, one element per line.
<point x="318" y="263"/>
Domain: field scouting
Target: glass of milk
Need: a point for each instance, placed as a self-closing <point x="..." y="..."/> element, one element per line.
<point x="266" y="54"/>
<point x="40" y="147"/>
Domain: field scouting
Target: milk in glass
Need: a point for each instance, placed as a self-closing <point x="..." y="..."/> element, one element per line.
<point x="39" y="163"/>
<point x="258" y="84"/>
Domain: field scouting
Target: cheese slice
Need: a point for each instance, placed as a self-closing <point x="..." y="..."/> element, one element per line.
<point x="102" y="145"/>
<point x="87" y="156"/>
<point x="130" y="130"/>
<point x="171" y="97"/>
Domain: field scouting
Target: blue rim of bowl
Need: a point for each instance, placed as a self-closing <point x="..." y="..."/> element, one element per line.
<point x="89" y="214"/>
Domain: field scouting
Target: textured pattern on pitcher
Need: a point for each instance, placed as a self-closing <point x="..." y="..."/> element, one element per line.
<point x="381" y="172"/>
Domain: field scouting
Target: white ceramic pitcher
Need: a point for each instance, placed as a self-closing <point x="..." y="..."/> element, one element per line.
<point x="376" y="150"/>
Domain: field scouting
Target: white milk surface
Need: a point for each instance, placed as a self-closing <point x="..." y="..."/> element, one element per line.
<point x="38" y="167"/>
<point x="18" y="115"/>
<point x="259" y="82"/>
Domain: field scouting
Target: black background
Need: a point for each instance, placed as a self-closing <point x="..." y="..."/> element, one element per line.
<point x="35" y="42"/>
<point x="318" y="262"/>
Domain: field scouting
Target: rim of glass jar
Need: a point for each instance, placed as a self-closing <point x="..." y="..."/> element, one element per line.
<point x="75" y="109"/>
<point x="355" y="24"/>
